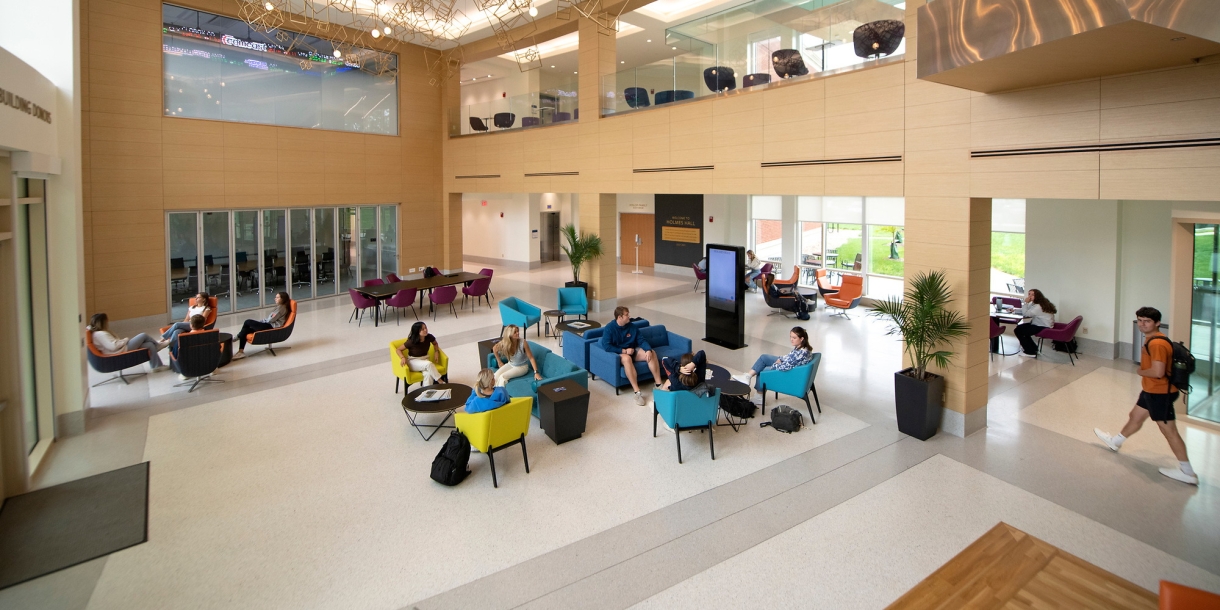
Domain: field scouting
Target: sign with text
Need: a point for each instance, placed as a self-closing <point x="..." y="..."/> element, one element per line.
<point x="679" y="229"/>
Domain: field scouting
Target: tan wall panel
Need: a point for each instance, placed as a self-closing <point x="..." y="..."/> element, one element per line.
<point x="1162" y="121"/>
<point x="1046" y="184"/>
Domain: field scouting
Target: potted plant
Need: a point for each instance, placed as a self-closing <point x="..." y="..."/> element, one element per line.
<point x="580" y="248"/>
<point x="924" y="323"/>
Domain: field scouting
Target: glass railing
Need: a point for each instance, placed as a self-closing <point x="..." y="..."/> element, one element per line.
<point x="516" y="112"/>
<point x="751" y="45"/>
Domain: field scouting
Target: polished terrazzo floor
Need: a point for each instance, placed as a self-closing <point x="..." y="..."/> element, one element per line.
<point x="298" y="483"/>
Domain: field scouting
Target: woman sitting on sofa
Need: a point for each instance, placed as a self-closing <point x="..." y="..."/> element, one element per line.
<point x="801" y="354"/>
<point x="513" y="356"/>
<point x="487" y="394"/>
<point x="688" y="373"/>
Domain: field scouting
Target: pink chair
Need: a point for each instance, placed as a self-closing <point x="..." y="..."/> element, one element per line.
<point x="1063" y="333"/>
<point x="442" y="295"/>
<point x="699" y="275"/>
<point x="404" y="298"/>
<point x="393" y="278"/>
<point x="488" y="273"/>
<point x="476" y="289"/>
<point x="361" y="303"/>
<point x="997" y="342"/>
<point x="374" y="282"/>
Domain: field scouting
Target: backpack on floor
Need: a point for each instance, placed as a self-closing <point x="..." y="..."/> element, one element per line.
<point x="1181" y="366"/>
<point x="1068" y="346"/>
<point x="449" y="467"/>
<point x="784" y="419"/>
<point x="737" y="406"/>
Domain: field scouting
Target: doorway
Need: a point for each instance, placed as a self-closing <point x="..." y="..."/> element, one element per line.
<point x="549" y="231"/>
<point x="632" y="226"/>
<point x="1204" y="400"/>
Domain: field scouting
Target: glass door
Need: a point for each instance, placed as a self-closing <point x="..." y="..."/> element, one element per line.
<point x="301" y="244"/>
<point x="368" y="244"/>
<point x="216" y="264"/>
<point x="348" y="253"/>
<point x="324" y="251"/>
<point x="389" y="243"/>
<point x="1205" y="324"/>
<point x="275" y="249"/>
<point x="183" y="261"/>
<point x="246" y="259"/>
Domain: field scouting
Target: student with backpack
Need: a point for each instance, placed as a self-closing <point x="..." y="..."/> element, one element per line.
<point x="1157" y="371"/>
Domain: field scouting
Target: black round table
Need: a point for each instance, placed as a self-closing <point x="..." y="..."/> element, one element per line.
<point x="577" y="330"/>
<point x="457" y="399"/>
<point x="547" y="315"/>
<point x="728" y="386"/>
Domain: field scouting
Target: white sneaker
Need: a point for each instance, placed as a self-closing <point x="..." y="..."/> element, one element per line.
<point x="1025" y="355"/>
<point x="182" y="377"/>
<point x="158" y="369"/>
<point x="742" y="377"/>
<point x="639" y="399"/>
<point x="239" y="355"/>
<point x="1177" y="475"/>
<point x="1106" y="438"/>
<point x="162" y="344"/>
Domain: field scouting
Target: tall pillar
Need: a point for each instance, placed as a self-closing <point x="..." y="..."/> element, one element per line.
<point x="597" y="60"/>
<point x="597" y="215"/>
<point x="451" y="223"/>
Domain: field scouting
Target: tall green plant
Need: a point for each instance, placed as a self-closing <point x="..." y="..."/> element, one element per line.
<point x="923" y="321"/>
<point x="580" y="248"/>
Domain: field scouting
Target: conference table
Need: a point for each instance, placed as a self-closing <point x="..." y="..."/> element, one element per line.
<point x="385" y="291"/>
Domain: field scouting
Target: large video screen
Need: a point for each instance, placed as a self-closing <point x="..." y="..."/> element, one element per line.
<point x="722" y="279"/>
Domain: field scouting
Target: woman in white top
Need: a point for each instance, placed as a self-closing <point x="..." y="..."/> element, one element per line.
<point x="199" y="308"/>
<point x="1041" y="314"/>
<point x="109" y="344"/>
<point x="753" y="267"/>
<point x="514" y="356"/>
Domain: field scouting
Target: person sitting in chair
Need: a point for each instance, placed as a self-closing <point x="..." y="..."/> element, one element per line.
<point x="687" y="373"/>
<point x="199" y="308"/>
<point x="197" y="323"/>
<point x="108" y="344"/>
<point x="801" y="354"/>
<point x="487" y="394"/>
<point x="276" y="319"/>
<point x="414" y="354"/>
<point x="753" y="268"/>
<point x="623" y="339"/>
<point x="514" y="356"/>
<point x="786" y="299"/>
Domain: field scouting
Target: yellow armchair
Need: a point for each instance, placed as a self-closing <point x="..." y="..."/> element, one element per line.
<point x="491" y="431"/>
<point x="408" y="376"/>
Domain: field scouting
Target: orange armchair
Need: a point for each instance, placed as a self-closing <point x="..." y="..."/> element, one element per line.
<point x="272" y="336"/>
<point x="822" y="279"/>
<point x="209" y="321"/>
<point x="1174" y="596"/>
<point x="790" y="282"/>
<point x="848" y="296"/>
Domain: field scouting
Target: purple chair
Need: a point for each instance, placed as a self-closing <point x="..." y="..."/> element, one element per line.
<point x="529" y="121"/>
<point x="393" y="278"/>
<point x="361" y="303"/>
<point x="561" y="117"/>
<point x="699" y="275"/>
<point x="374" y="282"/>
<point x="488" y="273"/>
<point x="442" y="295"/>
<point x="997" y="343"/>
<point x="1061" y="332"/>
<point x="404" y="298"/>
<point x="763" y="271"/>
<point x="476" y="289"/>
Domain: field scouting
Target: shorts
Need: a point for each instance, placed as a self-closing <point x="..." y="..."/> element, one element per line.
<point x="1159" y="406"/>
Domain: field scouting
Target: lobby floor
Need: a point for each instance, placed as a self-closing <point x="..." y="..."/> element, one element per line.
<point x="300" y="484"/>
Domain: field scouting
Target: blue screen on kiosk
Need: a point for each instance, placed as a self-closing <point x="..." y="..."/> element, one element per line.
<point x="722" y="279"/>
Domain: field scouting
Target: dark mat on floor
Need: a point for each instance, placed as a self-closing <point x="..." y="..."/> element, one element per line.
<point x="58" y="527"/>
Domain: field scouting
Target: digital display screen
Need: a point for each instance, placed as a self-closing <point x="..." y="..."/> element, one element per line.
<point x="722" y="279"/>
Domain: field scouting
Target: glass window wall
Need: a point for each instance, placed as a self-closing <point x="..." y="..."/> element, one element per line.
<point x="183" y="262"/>
<point x="324" y="251"/>
<point x="245" y="246"/>
<point x="1008" y="246"/>
<point x="275" y="246"/>
<point x="388" y="234"/>
<point x="216" y="265"/>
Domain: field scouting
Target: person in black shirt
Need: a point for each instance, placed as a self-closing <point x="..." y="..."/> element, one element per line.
<point x="414" y="353"/>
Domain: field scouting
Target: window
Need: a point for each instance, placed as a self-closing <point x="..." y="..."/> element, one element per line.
<point x="1008" y="246"/>
<point x="767" y="228"/>
<point x="219" y="68"/>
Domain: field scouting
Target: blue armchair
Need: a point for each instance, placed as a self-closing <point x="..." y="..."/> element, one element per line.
<point x="576" y="347"/>
<point x="516" y="311"/>
<point x="610" y="367"/>
<point x="684" y="411"/>
<point x="573" y="302"/>
<point x="552" y="368"/>
<point x="798" y="382"/>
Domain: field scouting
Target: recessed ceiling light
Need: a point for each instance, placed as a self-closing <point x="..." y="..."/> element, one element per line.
<point x="488" y="76"/>
<point x="622" y="62"/>
<point x="674" y="48"/>
<point x="573" y="73"/>
<point x="649" y="40"/>
<point x="269" y="6"/>
<point x="552" y="66"/>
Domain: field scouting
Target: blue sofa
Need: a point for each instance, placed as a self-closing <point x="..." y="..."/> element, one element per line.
<point x="609" y="367"/>
<point x="576" y="347"/>
<point x="554" y="368"/>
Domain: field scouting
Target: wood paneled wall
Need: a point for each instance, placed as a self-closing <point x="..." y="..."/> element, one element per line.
<point x="138" y="163"/>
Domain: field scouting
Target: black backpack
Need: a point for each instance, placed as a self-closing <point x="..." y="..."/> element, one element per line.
<point x="1181" y="366"/>
<point x="428" y="272"/>
<point x="1068" y="346"/>
<point x="784" y="419"/>
<point x="449" y="467"/>
<point x="737" y="406"/>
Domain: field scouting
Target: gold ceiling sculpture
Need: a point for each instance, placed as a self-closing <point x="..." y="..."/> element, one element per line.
<point x="607" y="24"/>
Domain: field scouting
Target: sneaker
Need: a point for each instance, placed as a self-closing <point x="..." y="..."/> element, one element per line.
<point x="162" y="344"/>
<point x="1025" y="355"/>
<point x="239" y="355"/>
<point x="742" y="377"/>
<point x="639" y="399"/>
<point x="1105" y="438"/>
<point x="1177" y="475"/>
<point x="182" y="377"/>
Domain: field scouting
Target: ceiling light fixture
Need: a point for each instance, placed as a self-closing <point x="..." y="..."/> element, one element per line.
<point x="338" y="53"/>
<point x="376" y="33"/>
<point x="269" y="6"/>
<point x="649" y="40"/>
<point x="533" y="11"/>
<point x="387" y="31"/>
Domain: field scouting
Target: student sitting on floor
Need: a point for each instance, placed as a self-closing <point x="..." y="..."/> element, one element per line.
<point x="487" y="394"/>
<point x="688" y="373"/>
<point x="801" y="354"/>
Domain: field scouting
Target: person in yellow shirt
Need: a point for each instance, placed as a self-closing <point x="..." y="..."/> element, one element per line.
<point x="1156" y="400"/>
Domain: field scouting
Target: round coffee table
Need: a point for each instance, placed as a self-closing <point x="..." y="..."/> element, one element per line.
<point x="576" y="330"/>
<point x="722" y="381"/>
<point x="458" y="395"/>
<point x="547" y="315"/>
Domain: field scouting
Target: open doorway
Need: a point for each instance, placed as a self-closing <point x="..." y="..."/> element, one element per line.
<point x="548" y="248"/>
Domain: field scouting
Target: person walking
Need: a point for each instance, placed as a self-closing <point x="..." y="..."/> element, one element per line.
<point x="1156" y="398"/>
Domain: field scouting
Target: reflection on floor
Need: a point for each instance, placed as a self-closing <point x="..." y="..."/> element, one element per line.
<point x="1009" y="568"/>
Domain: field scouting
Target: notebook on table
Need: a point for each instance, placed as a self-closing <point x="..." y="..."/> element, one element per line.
<point x="433" y="396"/>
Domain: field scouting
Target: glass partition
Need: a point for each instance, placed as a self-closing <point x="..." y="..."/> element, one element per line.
<point x="301" y="246"/>
<point x="551" y="105"/>
<point x="216" y="265"/>
<point x="347" y="249"/>
<point x="324" y="251"/>
<point x="245" y="248"/>
<point x="368" y="244"/>
<point x="183" y="262"/>
<point x="275" y="244"/>
<point x="388" y="234"/>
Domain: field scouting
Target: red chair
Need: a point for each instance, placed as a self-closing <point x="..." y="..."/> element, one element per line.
<point x="209" y="321"/>
<point x="848" y="296"/>
<point x="789" y="283"/>
<point x="404" y="298"/>
<point x="476" y="289"/>
<point x="1061" y="332"/>
<point x="360" y="303"/>
<point x="272" y="336"/>
<point x="443" y="295"/>
<point x="1181" y="597"/>
<point x="699" y="275"/>
<point x="374" y="282"/>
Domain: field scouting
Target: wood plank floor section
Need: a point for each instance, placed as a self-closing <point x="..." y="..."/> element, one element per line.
<point x="1007" y="568"/>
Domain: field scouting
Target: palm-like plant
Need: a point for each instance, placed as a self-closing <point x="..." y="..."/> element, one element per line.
<point x="923" y="321"/>
<point x="580" y="248"/>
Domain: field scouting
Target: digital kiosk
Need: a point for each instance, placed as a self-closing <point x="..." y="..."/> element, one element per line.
<point x="725" y="308"/>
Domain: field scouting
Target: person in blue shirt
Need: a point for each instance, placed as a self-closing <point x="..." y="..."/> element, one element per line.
<point x="801" y="354"/>
<point x="621" y="338"/>
<point x="486" y="395"/>
<point x="687" y="372"/>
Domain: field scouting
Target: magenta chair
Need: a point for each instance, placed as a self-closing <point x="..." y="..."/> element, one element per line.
<point x="488" y="273"/>
<point x="361" y="303"/>
<point x="393" y="278"/>
<point x="404" y="298"/>
<point x="443" y="295"/>
<point x="1061" y="332"/>
<point x="699" y="275"/>
<point x="476" y="289"/>
<point x="374" y="282"/>
<point x="764" y="270"/>
<point x="997" y="343"/>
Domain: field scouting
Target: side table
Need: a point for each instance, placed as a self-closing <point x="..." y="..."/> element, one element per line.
<point x="563" y="409"/>
<point x="485" y="351"/>
<point x="547" y="315"/>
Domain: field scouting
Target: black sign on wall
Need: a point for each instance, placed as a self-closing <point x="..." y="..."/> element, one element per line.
<point x="679" y="229"/>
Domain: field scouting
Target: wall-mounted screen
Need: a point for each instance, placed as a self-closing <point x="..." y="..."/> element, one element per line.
<point x="219" y="68"/>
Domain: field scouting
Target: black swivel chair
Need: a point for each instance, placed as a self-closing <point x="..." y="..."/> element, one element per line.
<point x="755" y="79"/>
<point x="477" y="124"/>
<point x="878" y="37"/>
<point x="784" y="302"/>
<point x="504" y="120"/>
<point x="636" y="97"/>
<point x="665" y="97"/>
<point x="720" y="78"/>
<point x="114" y="363"/>
<point x="198" y="357"/>
<point x="788" y="63"/>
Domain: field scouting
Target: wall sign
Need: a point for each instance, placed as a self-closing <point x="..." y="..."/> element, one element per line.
<point x="12" y="100"/>
<point x="679" y="229"/>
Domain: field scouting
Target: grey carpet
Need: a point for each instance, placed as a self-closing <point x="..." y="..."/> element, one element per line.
<point x="58" y="527"/>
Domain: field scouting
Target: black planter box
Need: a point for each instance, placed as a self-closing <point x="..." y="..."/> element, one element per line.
<point x="919" y="404"/>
